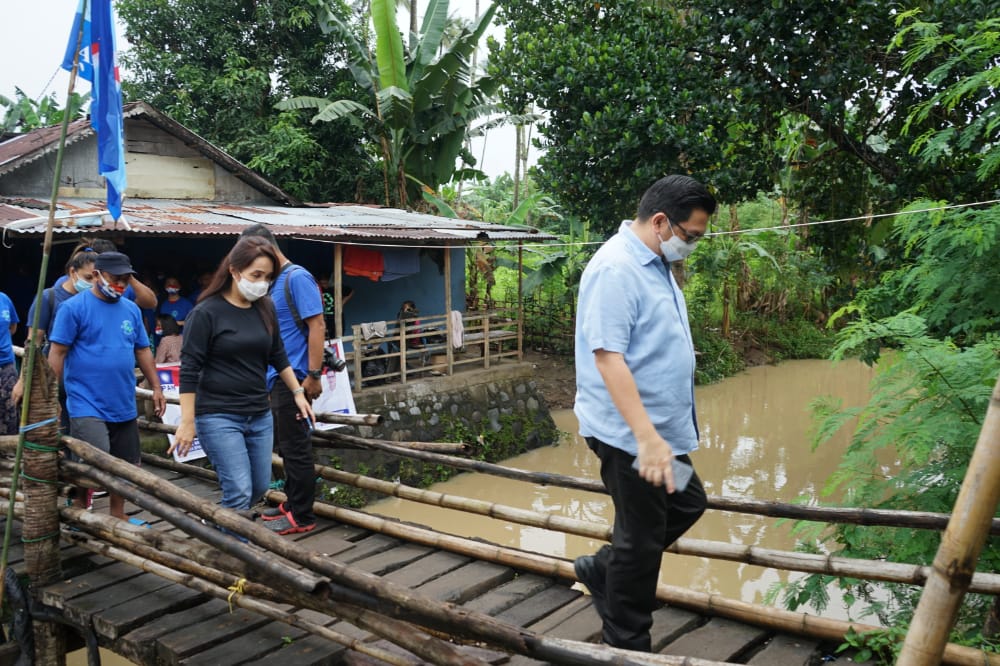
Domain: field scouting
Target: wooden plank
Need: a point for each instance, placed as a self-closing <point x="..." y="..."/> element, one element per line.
<point x="669" y="624"/>
<point x="577" y="620"/>
<point x="417" y="573"/>
<point x="259" y="643"/>
<point x="118" y="620"/>
<point x="368" y="546"/>
<point x="58" y="594"/>
<point x="719" y="640"/>
<point x="785" y="650"/>
<point x="166" y="177"/>
<point x="140" y="645"/>
<point x="82" y="608"/>
<point x="390" y="560"/>
<point x="348" y="532"/>
<point x="505" y="596"/>
<point x="536" y="607"/>
<point x="184" y="642"/>
<point x="308" y="651"/>
<point x="467" y="582"/>
<point x="325" y="542"/>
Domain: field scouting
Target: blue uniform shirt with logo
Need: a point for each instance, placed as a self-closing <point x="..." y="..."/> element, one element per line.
<point x="102" y="337"/>
<point x="629" y="303"/>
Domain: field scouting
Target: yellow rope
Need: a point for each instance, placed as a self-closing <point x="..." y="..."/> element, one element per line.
<point x="235" y="588"/>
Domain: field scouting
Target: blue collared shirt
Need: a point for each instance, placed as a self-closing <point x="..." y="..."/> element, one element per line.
<point x="630" y="304"/>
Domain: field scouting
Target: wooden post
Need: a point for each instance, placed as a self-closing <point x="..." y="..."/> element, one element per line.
<point x="338" y="300"/>
<point x="40" y="530"/>
<point x="520" y="302"/>
<point x="960" y="546"/>
<point x="449" y="354"/>
<point x="402" y="351"/>
<point x="486" y="340"/>
<point x="357" y="357"/>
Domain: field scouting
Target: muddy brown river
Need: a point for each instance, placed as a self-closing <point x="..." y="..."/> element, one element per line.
<point x="755" y="443"/>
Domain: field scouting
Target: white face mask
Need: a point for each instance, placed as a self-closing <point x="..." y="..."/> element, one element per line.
<point x="674" y="249"/>
<point x="252" y="290"/>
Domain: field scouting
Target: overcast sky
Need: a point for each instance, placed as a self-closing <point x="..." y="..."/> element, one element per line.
<point x="34" y="33"/>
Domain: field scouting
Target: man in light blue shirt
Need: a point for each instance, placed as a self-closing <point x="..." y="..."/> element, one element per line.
<point x="635" y="400"/>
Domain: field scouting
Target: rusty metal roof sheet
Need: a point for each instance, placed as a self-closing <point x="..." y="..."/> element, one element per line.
<point x="338" y="223"/>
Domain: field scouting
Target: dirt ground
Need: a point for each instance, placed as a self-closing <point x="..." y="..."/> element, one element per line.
<point x="556" y="378"/>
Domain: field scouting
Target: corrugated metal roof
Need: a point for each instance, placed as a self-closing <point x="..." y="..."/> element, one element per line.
<point x="339" y="223"/>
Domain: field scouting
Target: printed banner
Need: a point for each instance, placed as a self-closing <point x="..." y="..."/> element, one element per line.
<point x="170" y="380"/>
<point x="336" y="397"/>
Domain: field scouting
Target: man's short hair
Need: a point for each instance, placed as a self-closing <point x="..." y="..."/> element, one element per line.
<point x="676" y="196"/>
<point x="260" y="231"/>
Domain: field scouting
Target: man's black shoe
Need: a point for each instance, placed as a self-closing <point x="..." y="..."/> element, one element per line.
<point x="586" y="572"/>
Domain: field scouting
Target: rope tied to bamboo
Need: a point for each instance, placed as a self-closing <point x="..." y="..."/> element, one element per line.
<point x="41" y="538"/>
<point x="40" y="424"/>
<point x="25" y="475"/>
<point x="234" y="589"/>
<point x="34" y="446"/>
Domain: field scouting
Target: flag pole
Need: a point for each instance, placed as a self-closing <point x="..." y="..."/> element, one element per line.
<point x="31" y="346"/>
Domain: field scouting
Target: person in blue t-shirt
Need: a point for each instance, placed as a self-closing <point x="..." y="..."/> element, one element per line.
<point x="136" y="291"/>
<point x="299" y="305"/>
<point x="97" y="340"/>
<point x="81" y="274"/>
<point x="175" y="305"/>
<point x="8" y="371"/>
<point x="635" y="367"/>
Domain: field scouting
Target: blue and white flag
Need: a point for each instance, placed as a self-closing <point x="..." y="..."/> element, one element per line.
<point x="99" y="65"/>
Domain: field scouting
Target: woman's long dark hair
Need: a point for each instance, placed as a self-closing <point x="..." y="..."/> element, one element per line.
<point x="244" y="253"/>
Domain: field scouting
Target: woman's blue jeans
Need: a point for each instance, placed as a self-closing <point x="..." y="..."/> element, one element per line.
<point x="240" y="450"/>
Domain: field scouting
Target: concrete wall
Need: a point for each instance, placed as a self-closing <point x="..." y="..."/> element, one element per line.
<point x="502" y="405"/>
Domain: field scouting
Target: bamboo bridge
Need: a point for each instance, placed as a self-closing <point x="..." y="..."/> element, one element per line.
<point x="362" y="589"/>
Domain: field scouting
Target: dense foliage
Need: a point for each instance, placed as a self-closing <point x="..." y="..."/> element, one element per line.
<point x="421" y="102"/>
<point x="803" y="94"/>
<point x="219" y="67"/>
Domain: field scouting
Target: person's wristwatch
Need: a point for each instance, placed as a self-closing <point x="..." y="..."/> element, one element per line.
<point x="315" y="374"/>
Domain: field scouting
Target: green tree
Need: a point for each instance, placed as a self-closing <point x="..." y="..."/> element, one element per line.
<point x="420" y="105"/>
<point x="636" y="89"/>
<point x="219" y="67"/>
<point x="23" y="114"/>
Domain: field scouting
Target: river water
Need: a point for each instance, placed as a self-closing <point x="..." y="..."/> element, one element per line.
<point x="755" y="444"/>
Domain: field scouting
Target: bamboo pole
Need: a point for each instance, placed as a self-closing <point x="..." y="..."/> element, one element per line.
<point x="960" y="547"/>
<point x="912" y="574"/>
<point x="322" y="438"/>
<point x="348" y="585"/>
<point x="448" y="307"/>
<point x="755" y="614"/>
<point x="840" y="515"/>
<point x="50" y="646"/>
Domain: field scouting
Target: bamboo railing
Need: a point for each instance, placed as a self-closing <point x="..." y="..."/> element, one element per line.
<point x="407" y="351"/>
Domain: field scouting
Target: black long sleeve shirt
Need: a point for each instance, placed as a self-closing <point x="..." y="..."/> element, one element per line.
<point x="225" y="356"/>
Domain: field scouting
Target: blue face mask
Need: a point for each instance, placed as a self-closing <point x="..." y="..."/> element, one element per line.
<point x="82" y="285"/>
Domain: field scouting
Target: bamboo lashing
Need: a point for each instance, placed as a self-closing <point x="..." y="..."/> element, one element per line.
<point x="960" y="547"/>
<point x="837" y="515"/>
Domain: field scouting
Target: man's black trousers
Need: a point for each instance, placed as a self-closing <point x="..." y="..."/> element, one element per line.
<point x="293" y="442"/>
<point x="647" y="520"/>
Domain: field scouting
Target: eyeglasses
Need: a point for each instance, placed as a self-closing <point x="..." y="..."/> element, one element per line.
<point x="689" y="236"/>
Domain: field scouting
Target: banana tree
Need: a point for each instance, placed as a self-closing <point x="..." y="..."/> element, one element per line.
<point x="421" y="103"/>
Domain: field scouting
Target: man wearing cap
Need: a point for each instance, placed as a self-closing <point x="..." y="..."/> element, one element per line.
<point x="96" y="341"/>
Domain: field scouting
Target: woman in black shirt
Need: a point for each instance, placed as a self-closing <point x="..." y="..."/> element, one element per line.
<point x="230" y="338"/>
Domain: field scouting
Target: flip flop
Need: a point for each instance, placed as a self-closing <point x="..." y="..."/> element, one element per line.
<point x="140" y="522"/>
